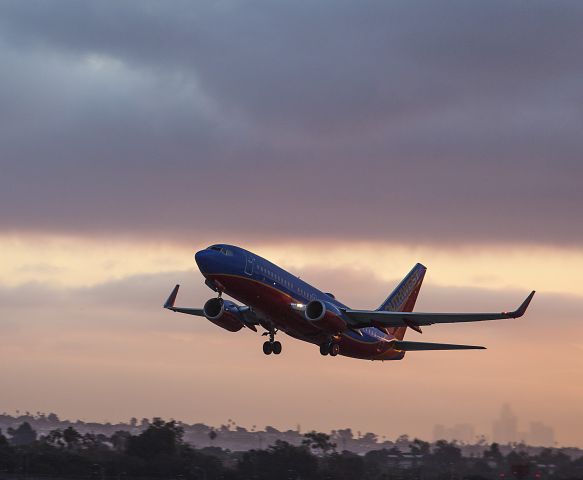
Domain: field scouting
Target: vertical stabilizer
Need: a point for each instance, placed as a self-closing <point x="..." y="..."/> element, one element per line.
<point x="403" y="298"/>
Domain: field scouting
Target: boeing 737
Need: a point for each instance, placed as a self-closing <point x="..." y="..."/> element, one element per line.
<point x="278" y="301"/>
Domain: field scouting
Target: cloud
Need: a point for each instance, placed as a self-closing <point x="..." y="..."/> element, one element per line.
<point x="111" y="352"/>
<point x="423" y="122"/>
<point x="408" y="123"/>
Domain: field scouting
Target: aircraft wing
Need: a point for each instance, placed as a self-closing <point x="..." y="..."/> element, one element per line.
<point x="406" y="346"/>
<point x="245" y="314"/>
<point x="169" y="304"/>
<point x="380" y="318"/>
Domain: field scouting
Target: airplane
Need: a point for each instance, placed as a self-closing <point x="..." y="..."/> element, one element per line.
<point x="277" y="300"/>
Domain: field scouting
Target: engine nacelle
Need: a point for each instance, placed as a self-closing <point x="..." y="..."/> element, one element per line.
<point x="223" y="313"/>
<point x="325" y="316"/>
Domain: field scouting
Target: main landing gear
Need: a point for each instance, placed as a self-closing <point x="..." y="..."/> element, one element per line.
<point x="331" y="348"/>
<point x="272" y="345"/>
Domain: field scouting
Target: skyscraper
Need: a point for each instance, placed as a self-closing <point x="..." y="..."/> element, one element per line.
<point x="541" y="435"/>
<point x="504" y="429"/>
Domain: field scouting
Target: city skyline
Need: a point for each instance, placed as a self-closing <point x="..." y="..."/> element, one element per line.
<point x="505" y="430"/>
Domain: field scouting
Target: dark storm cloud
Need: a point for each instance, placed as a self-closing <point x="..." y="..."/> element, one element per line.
<point x="457" y="120"/>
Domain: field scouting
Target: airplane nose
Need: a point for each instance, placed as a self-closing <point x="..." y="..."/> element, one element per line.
<point x="204" y="260"/>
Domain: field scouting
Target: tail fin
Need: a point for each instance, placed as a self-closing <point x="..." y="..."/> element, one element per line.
<point x="403" y="298"/>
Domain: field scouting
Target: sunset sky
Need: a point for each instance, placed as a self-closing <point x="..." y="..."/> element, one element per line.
<point x="344" y="141"/>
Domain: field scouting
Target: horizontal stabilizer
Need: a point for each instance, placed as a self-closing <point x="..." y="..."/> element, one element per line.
<point x="406" y="346"/>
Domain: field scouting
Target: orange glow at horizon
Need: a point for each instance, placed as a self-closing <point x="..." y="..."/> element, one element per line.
<point x="78" y="261"/>
<point x="102" y="356"/>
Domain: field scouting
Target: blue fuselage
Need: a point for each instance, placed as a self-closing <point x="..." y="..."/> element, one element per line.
<point x="270" y="290"/>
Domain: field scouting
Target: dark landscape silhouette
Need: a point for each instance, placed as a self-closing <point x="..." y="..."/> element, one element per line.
<point x="43" y="446"/>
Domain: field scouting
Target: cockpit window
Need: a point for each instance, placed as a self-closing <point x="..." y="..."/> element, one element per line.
<point x="223" y="250"/>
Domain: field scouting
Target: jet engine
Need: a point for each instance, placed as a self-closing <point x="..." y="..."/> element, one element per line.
<point x="325" y="316"/>
<point x="223" y="313"/>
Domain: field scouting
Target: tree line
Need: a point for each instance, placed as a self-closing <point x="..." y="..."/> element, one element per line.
<point x="161" y="452"/>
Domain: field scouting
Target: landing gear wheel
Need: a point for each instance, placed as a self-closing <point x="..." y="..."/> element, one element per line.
<point x="324" y="349"/>
<point x="334" y="349"/>
<point x="268" y="348"/>
<point x="276" y="347"/>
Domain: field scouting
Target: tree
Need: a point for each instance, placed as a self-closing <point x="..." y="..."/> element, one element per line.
<point x="447" y="452"/>
<point x="519" y="463"/>
<point x="71" y="437"/>
<point x="95" y="441"/>
<point x="420" y="451"/>
<point x="369" y="437"/>
<point x="419" y="447"/>
<point x="493" y="455"/>
<point x="281" y="461"/>
<point x="3" y="440"/>
<point x="54" y="438"/>
<point x="53" y="418"/>
<point x="394" y="456"/>
<point x="6" y="454"/>
<point x="345" y="466"/>
<point x="402" y="442"/>
<point x="446" y="457"/>
<point x="548" y="456"/>
<point x="377" y="462"/>
<point x="318" y="441"/>
<point x="120" y="440"/>
<point x="344" y="435"/>
<point x="159" y="438"/>
<point x="22" y="435"/>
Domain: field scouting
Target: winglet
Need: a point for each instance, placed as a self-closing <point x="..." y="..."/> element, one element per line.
<point x="172" y="298"/>
<point x="519" y="312"/>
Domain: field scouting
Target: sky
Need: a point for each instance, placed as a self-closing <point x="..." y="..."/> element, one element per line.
<point x="343" y="140"/>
